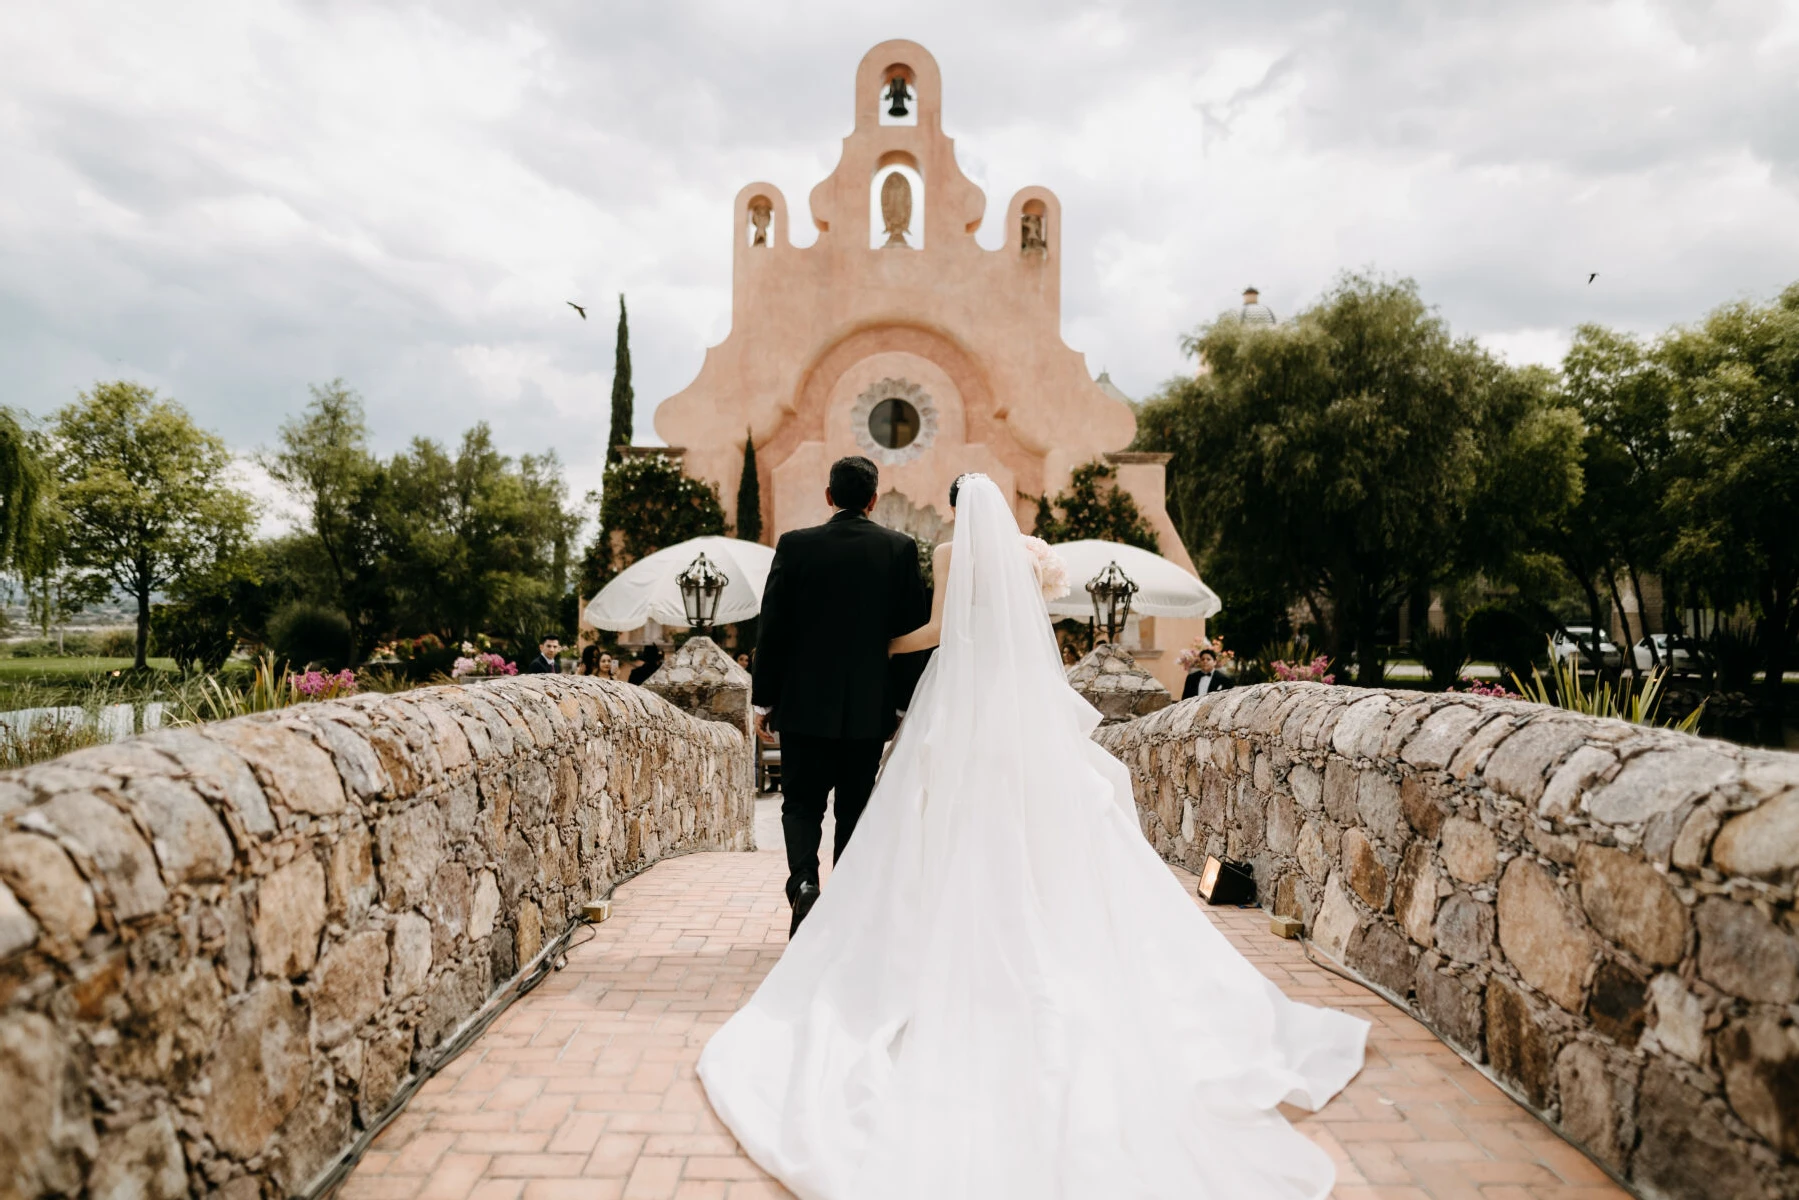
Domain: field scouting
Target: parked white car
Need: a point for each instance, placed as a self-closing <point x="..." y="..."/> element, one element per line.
<point x="1672" y="651"/>
<point x="1573" y="644"/>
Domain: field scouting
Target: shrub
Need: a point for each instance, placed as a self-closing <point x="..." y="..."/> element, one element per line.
<point x="1735" y="652"/>
<point x="1638" y="702"/>
<point x="117" y="643"/>
<point x="305" y="634"/>
<point x="196" y="635"/>
<point x="1444" y="656"/>
<point x="1499" y="635"/>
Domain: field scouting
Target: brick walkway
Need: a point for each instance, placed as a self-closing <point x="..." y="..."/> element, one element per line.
<point x="586" y="1087"/>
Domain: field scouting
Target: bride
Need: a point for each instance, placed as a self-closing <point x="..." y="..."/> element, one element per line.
<point x="1003" y="992"/>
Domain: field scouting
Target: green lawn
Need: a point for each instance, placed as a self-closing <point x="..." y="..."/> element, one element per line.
<point x="69" y="669"/>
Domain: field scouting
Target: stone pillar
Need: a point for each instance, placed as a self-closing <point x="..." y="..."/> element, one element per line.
<point x="701" y="679"/>
<point x="1111" y="681"/>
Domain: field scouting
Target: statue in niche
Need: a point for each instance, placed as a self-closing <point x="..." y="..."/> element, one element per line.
<point x="760" y="213"/>
<point x="896" y="209"/>
<point x="1030" y="233"/>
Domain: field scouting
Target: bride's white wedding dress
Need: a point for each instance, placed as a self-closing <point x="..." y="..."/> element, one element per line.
<point x="1003" y="992"/>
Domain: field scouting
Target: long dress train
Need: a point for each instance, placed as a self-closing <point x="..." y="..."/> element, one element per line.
<point x="1003" y="992"/>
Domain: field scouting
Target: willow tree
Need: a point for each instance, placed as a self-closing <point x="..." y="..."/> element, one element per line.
<point x="23" y="488"/>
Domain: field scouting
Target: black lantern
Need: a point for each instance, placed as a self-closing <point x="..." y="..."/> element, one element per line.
<point x="896" y="92"/>
<point x="702" y="584"/>
<point x="1111" y="590"/>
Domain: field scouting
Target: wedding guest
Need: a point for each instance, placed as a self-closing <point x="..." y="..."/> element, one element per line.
<point x="743" y="660"/>
<point x="545" y="662"/>
<point x="608" y="667"/>
<point x="648" y="665"/>
<point x="1068" y="655"/>
<point x="1206" y="678"/>
<point x="590" y="659"/>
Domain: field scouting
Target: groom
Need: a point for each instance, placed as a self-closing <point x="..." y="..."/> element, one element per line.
<point x="836" y="595"/>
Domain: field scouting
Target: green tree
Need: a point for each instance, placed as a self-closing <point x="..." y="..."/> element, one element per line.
<point x="23" y="486"/>
<point x="646" y="503"/>
<point x="1093" y="507"/>
<point x="144" y="495"/>
<point x="469" y="542"/>
<point x="1734" y="490"/>
<point x="324" y="463"/>
<point x="623" y="397"/>
<point x="749" y="494"/>
<point x="1340" y="459"/>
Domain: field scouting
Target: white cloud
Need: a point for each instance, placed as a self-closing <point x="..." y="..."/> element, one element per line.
<point x="233" y="201"/>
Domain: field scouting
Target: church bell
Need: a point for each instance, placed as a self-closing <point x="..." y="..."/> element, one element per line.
<point x="896" y="92"/>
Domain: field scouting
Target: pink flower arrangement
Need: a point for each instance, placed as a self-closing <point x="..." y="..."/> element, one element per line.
<point x="1475" y="687"/>
<point x="482" y="665"/>
<point x="1051" y="570"/>
<point x="1316" y="671"/>
<point x="323" y="685"/>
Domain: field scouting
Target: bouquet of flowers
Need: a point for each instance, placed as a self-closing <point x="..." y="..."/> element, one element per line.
<point x="323" y="685"/>
<point x="1051" y="570"/>
<point x="1316" y="671"/>
<point x="480" y="664"/>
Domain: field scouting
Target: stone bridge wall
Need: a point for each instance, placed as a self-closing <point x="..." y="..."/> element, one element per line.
<point x="224" y="950"/>
<point x="1601" y="913"/>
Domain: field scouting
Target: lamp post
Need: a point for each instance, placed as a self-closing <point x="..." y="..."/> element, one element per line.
<point x="702" y="585"/>
<point x="1111" y="591"/>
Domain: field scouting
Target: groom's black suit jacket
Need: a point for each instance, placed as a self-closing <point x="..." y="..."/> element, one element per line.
<point x="837" y="593"/>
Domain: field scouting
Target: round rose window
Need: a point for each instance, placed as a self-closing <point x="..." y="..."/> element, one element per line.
<point x="893" y="423"/>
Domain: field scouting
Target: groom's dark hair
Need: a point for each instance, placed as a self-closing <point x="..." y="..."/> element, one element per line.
<point x="854" y="481"/>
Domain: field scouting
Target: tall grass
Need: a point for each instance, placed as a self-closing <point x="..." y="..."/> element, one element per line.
<point x="1630" y="699"/>
<point x="46" y="736"/>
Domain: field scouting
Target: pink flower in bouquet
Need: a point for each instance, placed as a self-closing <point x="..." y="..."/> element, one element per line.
<point x="1051" y="570"/>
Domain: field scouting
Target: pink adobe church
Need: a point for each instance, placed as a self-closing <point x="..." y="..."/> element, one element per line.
<point x="897" y="336"/>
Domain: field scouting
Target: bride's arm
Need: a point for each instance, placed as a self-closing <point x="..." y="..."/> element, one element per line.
<point x="928" y="634"/>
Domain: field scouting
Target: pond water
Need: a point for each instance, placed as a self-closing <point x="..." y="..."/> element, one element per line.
<point x="116" y="721"/>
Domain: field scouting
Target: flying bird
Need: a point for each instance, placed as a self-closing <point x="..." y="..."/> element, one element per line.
<point x="1590" y="279"/>
<point x="583" y="311"/>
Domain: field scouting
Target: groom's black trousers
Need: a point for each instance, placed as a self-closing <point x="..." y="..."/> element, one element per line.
<point x="811" y="769"/>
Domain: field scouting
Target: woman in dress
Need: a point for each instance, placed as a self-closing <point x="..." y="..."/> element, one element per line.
<point x="1003" y="992"/>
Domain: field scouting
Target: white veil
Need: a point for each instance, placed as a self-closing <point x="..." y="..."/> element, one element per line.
<point x="1003" y="993"/>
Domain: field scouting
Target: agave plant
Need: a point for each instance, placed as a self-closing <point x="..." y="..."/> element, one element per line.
<point x="1636" y="701"/>
<point x="209" y="698"/>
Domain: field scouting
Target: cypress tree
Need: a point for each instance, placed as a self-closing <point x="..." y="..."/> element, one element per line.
<point x="749" y="495"/>
<point x="622" y="395"/>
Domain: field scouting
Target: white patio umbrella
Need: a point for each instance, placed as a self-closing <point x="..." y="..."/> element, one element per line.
<point x="1164" y="589"/>
<point x="647" y="589"/>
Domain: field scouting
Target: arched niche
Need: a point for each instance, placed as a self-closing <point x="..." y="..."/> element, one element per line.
<point x="759" y="221"/>
<point x="906" y="79"/>
<point x="1033" y="227"/>
<point x="886" y="199"/>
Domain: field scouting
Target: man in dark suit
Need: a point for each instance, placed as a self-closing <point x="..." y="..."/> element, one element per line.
<point x="837" y="593"/>
<point x="545" y="662"/>
<point x="1206" y="679"/>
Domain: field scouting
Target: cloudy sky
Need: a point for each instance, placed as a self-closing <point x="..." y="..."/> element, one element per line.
<point x="230" y="201"/>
